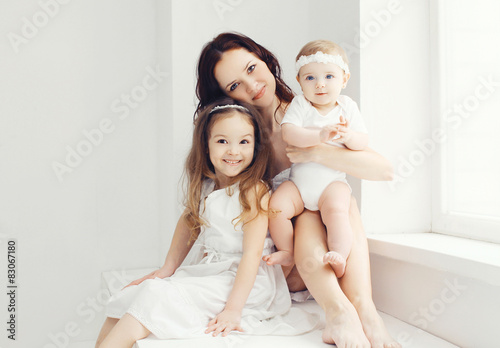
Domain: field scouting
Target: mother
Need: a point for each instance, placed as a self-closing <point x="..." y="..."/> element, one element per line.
<point x="234" y="65"/>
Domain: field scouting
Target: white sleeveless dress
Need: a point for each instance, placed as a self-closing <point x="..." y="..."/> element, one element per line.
<point x="181" y="306"/>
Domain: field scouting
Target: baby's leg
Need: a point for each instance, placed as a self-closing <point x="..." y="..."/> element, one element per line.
<point x="334" y="207"/>
<point x="285" y="203"/>
<point x="125" y="333"/>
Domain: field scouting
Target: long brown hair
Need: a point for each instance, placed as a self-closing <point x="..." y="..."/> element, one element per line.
<point x="207" y="87"/>
<point x="253" y="181"/>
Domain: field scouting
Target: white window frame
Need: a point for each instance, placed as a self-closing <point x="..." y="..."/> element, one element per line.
<point x="443" y="221"/>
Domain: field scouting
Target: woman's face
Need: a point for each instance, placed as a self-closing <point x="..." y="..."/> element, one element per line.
<point x="244" y="77"/>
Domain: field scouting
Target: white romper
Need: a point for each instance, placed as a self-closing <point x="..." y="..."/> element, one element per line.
<point x="312" y="178"/>
<point x="181" y="306"/>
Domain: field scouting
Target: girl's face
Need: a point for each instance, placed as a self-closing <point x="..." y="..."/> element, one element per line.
<point x="243" y="76"/>
<point x="231" y="146"/>
<point x="322" y="83"/>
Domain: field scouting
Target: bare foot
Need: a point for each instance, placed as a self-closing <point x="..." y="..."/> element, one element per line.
<point x="375" y="329"/>
<point x="281" y="257"/>
<point x="337" y="262"/>
<point x="344" y="329"/>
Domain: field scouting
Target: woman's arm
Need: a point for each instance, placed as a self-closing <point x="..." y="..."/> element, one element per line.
<point x="178" y="251"/>
<point x="254" y="234"/>
<point x="365" y="164"/>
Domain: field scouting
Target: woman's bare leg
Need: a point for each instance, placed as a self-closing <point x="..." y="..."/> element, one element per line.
<point x="356" y="284"/>
<point x="125" y="333"/>
<point x="343" y="326"/>
<point x="108" y="325"/>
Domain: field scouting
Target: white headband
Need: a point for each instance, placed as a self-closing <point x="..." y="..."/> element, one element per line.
<point x="233" y="106"/>
<point x="320" y="57"/>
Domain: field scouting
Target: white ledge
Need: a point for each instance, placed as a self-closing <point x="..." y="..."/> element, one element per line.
<point x="466" y="257"/>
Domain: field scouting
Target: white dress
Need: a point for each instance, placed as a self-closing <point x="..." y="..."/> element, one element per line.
<point x="312" y="178"/>
<point x="181" y="306"/>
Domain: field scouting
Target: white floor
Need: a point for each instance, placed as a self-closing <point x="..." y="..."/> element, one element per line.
<point x="409" y="336"/>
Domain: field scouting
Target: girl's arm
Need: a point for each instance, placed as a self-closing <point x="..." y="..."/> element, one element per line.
<point x="365" y="164"/>
<point x="177" y="252"/>
<point x="254" y="234"/>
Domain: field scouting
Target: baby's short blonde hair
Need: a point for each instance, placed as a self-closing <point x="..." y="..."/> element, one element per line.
<point x="324" y="46"/>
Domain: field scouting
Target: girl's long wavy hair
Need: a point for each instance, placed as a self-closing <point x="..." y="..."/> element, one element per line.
<point x="254" y="181"/>
<point x="207" y="87"/>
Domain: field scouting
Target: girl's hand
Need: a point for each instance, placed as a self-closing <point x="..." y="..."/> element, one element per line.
<point x="159" y="273"/>
<point x="225" y="322"/>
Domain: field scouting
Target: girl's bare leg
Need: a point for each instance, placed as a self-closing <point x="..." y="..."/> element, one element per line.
<point x="356" y="284"/>
<point x="125" y="333"/>
<point x="343" y="326"/>
<point x="108" y="325"/>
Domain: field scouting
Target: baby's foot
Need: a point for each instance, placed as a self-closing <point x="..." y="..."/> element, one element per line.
<point x="281" y="257"/>
<point x="337" y="262"/>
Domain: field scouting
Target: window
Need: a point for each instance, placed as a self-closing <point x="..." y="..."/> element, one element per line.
<point x="466" y="122"/>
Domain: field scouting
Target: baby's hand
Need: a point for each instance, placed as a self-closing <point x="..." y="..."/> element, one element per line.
<point x="225" y="322"/>
<point x="327" y="133"/>
<point x="343" y="131"/>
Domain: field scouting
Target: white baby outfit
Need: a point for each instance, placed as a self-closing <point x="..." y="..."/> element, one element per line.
<point x="312" y="178"/>
<point x="181" y="306"/>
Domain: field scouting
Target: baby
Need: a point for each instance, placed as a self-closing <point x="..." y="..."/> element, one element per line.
<point x="320" y="115"/>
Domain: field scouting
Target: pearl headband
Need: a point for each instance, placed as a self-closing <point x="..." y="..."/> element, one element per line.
<point x="232" y="106"/>
<point x="320" y="57"/>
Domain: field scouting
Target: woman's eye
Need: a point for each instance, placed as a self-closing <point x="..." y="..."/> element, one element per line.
<point x="309" y="78"/>
<point x="233" y="86"/>
<point x="222" y="141"/>
<point x="244" y="142"/>
<point x="330" y="77"/>
<point x="251" y="68"/>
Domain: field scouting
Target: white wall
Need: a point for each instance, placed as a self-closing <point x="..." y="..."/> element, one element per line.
<point x="299" y="21"/>
<point x="104" y="214"/>
<point x="395" y="102"/>
<point x="116" y="207"/>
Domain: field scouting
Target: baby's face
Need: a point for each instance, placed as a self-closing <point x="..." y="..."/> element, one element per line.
<point x="322" y="83"/>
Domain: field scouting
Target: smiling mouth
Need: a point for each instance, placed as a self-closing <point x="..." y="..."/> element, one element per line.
<point x="232" y="162"/>
<point x="260" y="93"/>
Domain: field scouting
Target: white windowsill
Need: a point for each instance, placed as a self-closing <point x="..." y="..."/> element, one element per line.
<point x="470" y="258"/>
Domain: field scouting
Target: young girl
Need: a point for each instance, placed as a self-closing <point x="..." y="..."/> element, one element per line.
<point x="226" y="286"/>
<point x="320" y="115"/>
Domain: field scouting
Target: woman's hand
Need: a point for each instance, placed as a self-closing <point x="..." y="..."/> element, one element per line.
<point x="225" y="322"/>
<point x="304" y="154"/>
<point x="159" y="273"/>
